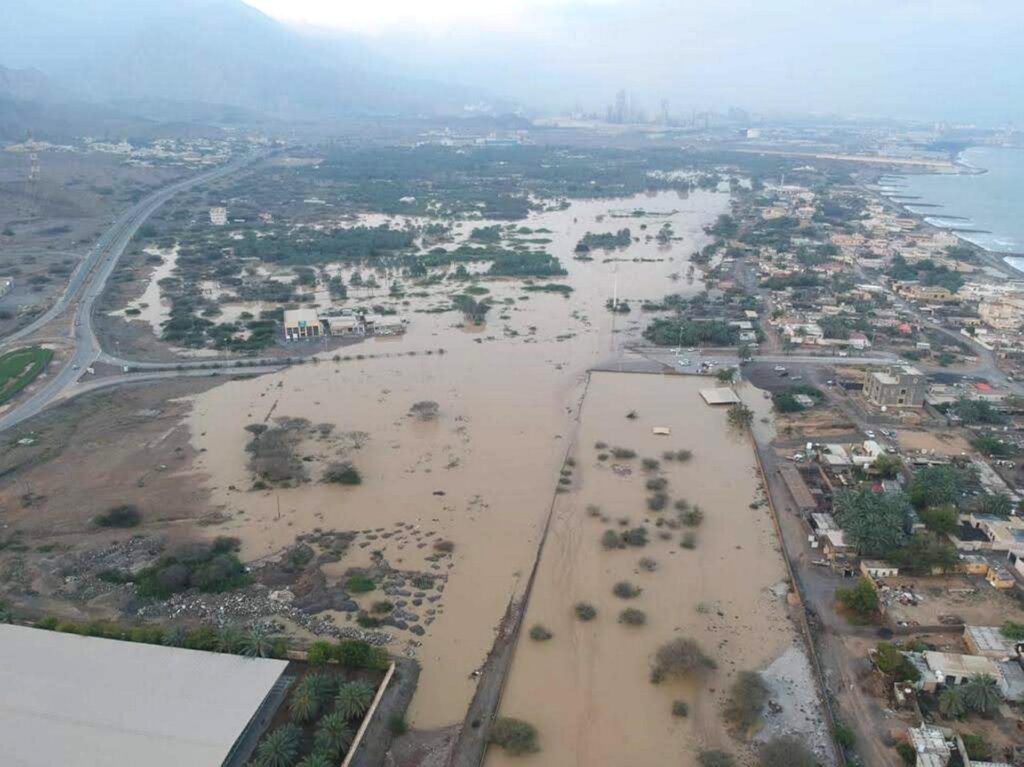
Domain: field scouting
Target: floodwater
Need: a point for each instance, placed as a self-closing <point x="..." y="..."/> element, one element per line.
<point x="153" y="308"/>
<point x="587" y="690"/>
<point x="483" y="474"/>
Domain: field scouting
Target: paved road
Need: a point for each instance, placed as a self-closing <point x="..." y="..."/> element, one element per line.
<point x="85" y="287"/>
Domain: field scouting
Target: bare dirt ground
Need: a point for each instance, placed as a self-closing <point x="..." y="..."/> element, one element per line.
<point x="963" y="599"/>
<point x="587" y="689"/>
<point x="47" y="227"/>
<point x="61" y="469"/>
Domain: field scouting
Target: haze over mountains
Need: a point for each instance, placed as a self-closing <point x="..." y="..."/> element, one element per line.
<point x="212" y="59"/>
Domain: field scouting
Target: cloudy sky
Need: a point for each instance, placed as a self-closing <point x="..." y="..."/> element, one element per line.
<point x="933" y="59"/>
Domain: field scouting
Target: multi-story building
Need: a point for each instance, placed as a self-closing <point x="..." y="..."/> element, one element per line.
<point x="899" y="386"/>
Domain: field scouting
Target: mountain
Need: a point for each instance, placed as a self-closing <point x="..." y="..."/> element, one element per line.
<point x="212" y="52"/>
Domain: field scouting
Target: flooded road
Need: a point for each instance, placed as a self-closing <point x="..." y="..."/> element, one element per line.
<point x="588" y="689"/>
<point x="483" y="473"/>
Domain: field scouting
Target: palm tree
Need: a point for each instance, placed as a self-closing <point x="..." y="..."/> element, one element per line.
<point x="321" y="686"/>
<point x="175" y="637"/>
<point x="333" y="735"/>
<point x="279" y="748"/>
<point x="982" y="694"/>
<point x="952" y="704"/>
<point x="229" y="639"/>
<point x="317" y="759"/>
<point x="257" y="642"/>
<point x="303" y="704"/>
<point x="353" y="699"/>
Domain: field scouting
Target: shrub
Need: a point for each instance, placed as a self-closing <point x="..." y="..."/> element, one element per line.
<point x="679" y="657"/>
<point x="747" y="699"/>
<point x="514" y="735"/>
<point x="647" y="564"/>
<point x="862" y="599"/>
<point x="689" y="541"/>
<point x="907" y="753"/>
<point x="636" y="536"/>
<point x="382" y="607"/>
<point x="626" y="590"/>
<point x="633" y="617"/>
<point x="844" y="735"/>
<point x="977" y="748"/>
<point x="445" y="547"/>
<point x="319" y="653"/>
<point x="343" y="473"/>
<point x="649" y="464"/>
<point x="657" y="501"/>
<point x="333" y="735"/>
<point x="119" y="516"/>
<point x="279" y="748"/>
<point x="585" y="611"/>
<point x="656" y="484"/>
<point x="397" y="724"/>
<point x="353" y="699"/>
<point x="540" y="633"/>
<point x="693" y="517"/>
<point x="612" y="540"/>
<point x="623" y="453"/>
<point x="359" y="583"/>
<point x="680" y="708"/>
<point x="715" y="758"/>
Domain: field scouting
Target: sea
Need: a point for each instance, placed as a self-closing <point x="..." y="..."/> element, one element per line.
<point x="991" y="202"/>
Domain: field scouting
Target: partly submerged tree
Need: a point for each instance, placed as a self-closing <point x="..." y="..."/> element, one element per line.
<point x="740" y="416"/>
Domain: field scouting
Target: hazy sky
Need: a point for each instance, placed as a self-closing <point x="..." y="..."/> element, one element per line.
<point x="935" y="59"/>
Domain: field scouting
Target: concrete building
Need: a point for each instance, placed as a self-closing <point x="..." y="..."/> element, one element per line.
<point x="1002" y="313"/>
<point x="218" y="216"/>
<point x="75" y="700"/>
<point x="989" y="642"/>
<point x="931" y="746"/>
<point x="899" y="386"/>
<point x="302" y="323"/>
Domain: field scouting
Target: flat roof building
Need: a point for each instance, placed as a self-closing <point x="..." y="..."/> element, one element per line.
<point x="722" y="395"/>
<point x="69" y="699"/>
<point x="302" y="323"/>
<point x="899" y="386"/>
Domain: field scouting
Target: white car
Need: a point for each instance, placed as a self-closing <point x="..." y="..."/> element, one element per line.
<point x="780" y="368"/>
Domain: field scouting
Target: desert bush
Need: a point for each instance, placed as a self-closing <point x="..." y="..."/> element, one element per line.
<point x="680" y="708"/>
<point x="540" y="633"/>
<point x="656" y="484"/>
<point x="600" y="445"/>
<point x="119" y="516"/>
<point x="693" y="517"/>
<point x="593" y="510"/>
<point x="425" y="410"/>
<point x="445" y="547"/>
<point x="514" y="735"/>
<point x="679" y="657"/>
<point x="633" y="617"/>
<point x="648" y="564"/>
<point x="585" y="611"/>
<point x="650" y="464"/>
<point x="359" y="583"/>
<point x="626" y="590"/>
<point x="715" y="758"/>
<point x="747" y="699"/>
<point x="636" y="536"/>
<point x="657" y="501"/>
<point x="623" y="453"/>
<point x="689" y="541"/>
<point x="612" y="540"/>
<point x="343" y="473"/>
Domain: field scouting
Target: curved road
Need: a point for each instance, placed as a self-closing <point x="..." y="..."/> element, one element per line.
<point x="85" y="287"/>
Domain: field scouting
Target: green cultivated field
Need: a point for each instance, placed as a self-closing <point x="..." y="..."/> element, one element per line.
<point x="19" y="368"/>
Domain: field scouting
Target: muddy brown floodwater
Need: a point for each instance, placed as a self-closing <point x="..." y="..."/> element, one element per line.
<point x="588" y="689"/>
<point x="483" y="473"/>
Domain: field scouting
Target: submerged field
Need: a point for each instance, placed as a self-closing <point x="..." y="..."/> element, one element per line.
<point x="481" y="472"/>
<point x="703" y="563"/>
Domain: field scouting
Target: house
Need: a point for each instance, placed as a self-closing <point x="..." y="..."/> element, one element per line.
<point x="1002" y="313"/>
<point x="302" y="323"/>
<point x="383" y="325"/>
<point x="930" y="745"/>
<point x="218" y="216"/>
<point x="874" y="568"/>
<point x="988" y="641"/>
<point x="898" y="386"/>
<point x="836" y="548"/>
<point x="346" y="325"/>
<point x="951" y="669"/>
<point x="1000" y="578"/>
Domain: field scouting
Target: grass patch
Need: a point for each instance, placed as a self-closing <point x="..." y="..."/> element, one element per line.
<point x="360" y="583"/>
<point x="119" y="516"/>
<point x="20" y="368"/>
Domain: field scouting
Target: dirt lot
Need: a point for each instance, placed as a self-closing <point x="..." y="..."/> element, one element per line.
<point x="47" y="226"/>
<point x="61" y="469"/>
<point x="952" y="599"/>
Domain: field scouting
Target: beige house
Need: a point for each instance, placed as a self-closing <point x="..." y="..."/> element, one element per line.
<point x="899" y="386"/>
<point x="1002" y="313"/>
<point x="302" y="323"/>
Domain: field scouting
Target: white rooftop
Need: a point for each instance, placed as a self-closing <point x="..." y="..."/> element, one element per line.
<point x="722" y="395"/>
<point x="69" y="699"/>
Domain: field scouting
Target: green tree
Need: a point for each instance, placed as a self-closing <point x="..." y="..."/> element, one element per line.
<point x="353" y="699"/>
<point x="740" y="416"/>
<point x="938" y="485"/>
<point x="952" y="704"/>
<point x="747" y="699"/>
<point x="279" y="748"/>
<point x="941" y="519"/>
<point x="333" y="734"/>
<point x="514" y="735"/>
<point x="1013" y="631"/>
<point x="873" y="522"/>
<point x="997" y="504"/>
<point x="887" y="465"/>
<point x="924" y="553"/>
<point x="257" y="642"/>
<point x="229" y="639"/>
<point x="303" y="704"/>
<point x="861" y="599"/>
<point x="317" y="759"/>
<point x="981" y="693"/>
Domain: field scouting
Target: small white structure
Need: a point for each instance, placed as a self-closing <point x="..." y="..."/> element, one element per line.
<point x="218" y="216"/>
<point x="722" y="395"/>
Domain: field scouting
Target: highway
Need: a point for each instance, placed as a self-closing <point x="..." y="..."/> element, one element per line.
<point x="85" y="286"/>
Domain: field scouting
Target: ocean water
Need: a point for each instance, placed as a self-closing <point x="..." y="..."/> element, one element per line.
<point x="992" y="201"/>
